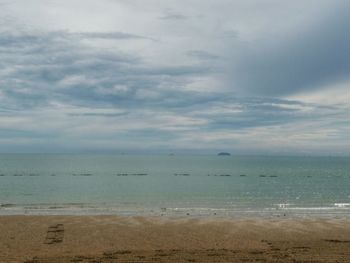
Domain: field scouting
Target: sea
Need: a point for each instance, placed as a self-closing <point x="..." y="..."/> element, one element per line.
<point x="174" y="185"/>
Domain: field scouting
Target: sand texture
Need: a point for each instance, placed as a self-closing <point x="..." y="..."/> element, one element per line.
<point x="34" y="239"/>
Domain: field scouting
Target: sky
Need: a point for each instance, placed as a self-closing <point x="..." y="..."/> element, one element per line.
<point x="164" y="76"/>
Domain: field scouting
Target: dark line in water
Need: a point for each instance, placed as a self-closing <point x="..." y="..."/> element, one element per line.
<point x="7" y="205"/>
<point x="222" y="175"/>
<point x="82" y="174"/>
<point x="125" y="174"/>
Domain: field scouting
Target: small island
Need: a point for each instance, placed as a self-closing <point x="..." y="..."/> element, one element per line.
<point x="224" y="154"/>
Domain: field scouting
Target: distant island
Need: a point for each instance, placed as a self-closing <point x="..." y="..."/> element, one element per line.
<point x="224" y="154"/>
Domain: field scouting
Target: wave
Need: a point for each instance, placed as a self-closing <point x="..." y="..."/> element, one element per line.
<point x="288" y="206"/>
<point x="138" y="209"/>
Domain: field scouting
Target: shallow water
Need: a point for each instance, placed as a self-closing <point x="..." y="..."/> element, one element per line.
<point x="174" y="185"/>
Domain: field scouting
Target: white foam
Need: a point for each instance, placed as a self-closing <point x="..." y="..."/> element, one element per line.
<point x="283" y="206"/>
<point x="342" y="205"/>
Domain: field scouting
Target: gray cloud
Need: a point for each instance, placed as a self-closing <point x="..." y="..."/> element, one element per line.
<point x="63" y="89"/>
<point x="6" y="3"/>
<point x="71" y="73"/>
<point x="109" y="35"/>
<point x="96" y="114"/>
<point x="310" y="58"/>
<point x="241" y="113"/>
<point x="172" y="15"/>
<point x="39" y="68"/>
<point x="200" y="54"/>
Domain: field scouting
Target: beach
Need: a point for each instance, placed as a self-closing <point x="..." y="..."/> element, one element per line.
<point x="174" y="131"/>
<point x="34" y="239"/>
<point x="106" y="208"/>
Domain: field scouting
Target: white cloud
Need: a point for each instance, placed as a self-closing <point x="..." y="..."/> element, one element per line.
<point x="333" y="94"/>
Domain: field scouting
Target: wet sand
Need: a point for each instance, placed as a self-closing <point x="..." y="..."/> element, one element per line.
<point x="146" y="239"/>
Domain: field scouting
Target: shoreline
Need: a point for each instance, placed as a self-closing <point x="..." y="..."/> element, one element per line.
<point x="186" y="213"/>
<point x="41" y="239"/>
<point x="339" y="210"/>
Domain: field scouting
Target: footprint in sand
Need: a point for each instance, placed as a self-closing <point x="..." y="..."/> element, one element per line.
<point x="55" y="234"/>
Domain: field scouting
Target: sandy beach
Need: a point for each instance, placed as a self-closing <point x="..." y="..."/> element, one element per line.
<point x="34" y="239"/>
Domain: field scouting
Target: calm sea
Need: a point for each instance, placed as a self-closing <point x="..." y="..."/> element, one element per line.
<point x="174" y="185"/>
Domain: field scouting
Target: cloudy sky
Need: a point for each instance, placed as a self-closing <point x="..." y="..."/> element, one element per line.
<point x="194" y="76"/>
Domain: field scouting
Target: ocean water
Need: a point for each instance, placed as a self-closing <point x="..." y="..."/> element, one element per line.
<point x="174" y="185"/>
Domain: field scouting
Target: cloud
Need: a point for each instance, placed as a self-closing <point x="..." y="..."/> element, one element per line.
<point x="41" y="67"/>
<point x="6" y="3"/>
<point x="173" y="15"/>
<point x="96" y="81"/>
<point x="108" y="35"/>
<point x="200" y="54"/>
<point x="314" y="55"/>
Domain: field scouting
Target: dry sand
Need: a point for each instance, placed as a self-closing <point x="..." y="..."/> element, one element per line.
<point x="139" y="239"/>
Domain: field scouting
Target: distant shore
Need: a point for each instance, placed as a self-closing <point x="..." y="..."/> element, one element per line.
<point x="35" y="239"/>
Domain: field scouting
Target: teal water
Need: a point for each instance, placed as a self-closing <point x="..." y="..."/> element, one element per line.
<point x="174" y="185"/>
